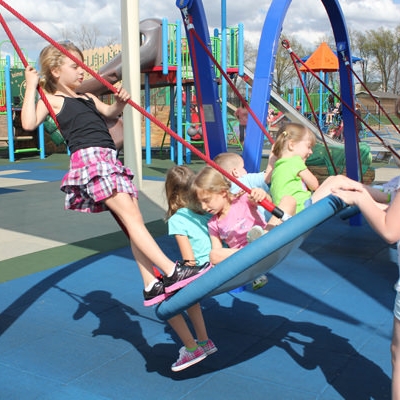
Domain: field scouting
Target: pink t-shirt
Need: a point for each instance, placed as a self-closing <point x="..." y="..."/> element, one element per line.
<point x="233" y="228"/>
<point x="242" y="115"/>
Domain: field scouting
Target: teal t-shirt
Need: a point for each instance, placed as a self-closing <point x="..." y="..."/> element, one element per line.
<point x="188" y="223"/>
<point x="285" y="181"/>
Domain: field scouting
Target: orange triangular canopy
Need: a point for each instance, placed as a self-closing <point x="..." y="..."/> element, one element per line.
<point x="323" y="59"/>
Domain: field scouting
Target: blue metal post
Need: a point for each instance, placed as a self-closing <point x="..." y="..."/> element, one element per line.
<point x="206" y="84"/>
<point x="164" y="46"/>
<point x="188" y="120"/>
<point x="179" y="115"/>
<point x="42" y="152"/>
<point x="172" y="121"/>
<point x="10" y="128"/>
<point x="224" y="90"/>
<point x="147" y="122"/>
<point x="241" y="49"/>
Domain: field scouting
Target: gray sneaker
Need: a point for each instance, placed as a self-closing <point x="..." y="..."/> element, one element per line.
<point x="183" y="275"/>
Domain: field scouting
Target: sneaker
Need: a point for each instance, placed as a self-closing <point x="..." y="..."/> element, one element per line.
<point x="183" y="275"/>
<point x="155" y="295"/>
<point x="209" y="347"/>
<point x="254" y="233"/>
<point x="188" y="358"/>
<point x="259" y="282"/>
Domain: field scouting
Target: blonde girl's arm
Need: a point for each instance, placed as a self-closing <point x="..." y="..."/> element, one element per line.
<point x="309" y="179"/>
<point x="115" y="109"/>
<point x="32" y="114"/>
<point x="216" y="242"/>
<point x="218" y="252"/>
<point x="270" y="167"/>
<point x="384" y="222"/>
<point x="186" y="249"/>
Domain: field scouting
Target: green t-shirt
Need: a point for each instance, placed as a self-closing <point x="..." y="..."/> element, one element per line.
<point x="285" y="181"/>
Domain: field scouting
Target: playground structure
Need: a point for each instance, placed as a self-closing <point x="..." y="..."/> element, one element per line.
<point x="163" y="56"/>
<point x="170" y="76"/>
<point x="209" y="101"/>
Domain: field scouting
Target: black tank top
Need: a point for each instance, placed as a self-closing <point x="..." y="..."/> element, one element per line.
<point x="82" y="125"/>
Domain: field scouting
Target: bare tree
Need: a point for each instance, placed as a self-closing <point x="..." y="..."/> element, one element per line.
<point x="86" y="36"/>
<point x="382" y="43"/>
<point x="285" y="73"/>
<point x="362" y="48"/>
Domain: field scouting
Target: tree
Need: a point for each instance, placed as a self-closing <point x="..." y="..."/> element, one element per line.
<point x="361" y="46"/>
<point x="84" y="36"/>
<point x="285" y="73"/>
<point x="382" y="43"/>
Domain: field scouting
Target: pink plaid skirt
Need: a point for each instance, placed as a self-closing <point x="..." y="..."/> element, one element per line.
<point x="94" y="175"/>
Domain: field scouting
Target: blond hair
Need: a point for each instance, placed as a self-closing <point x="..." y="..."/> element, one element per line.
<point x="291" y="131"/>
<point x="51" y="58"/>
<point x="211" y="180"/>
<point x="228" y="161"/>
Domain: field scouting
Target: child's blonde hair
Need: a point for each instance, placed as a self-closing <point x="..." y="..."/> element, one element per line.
<point x="211" y="180"/>
<point x="291" y="131"/>
<point x="178" y="190"/>
<point x="50" y="58"/>
<point x="228" y="161"/>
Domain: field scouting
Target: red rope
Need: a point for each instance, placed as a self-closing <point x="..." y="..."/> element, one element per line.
<point x="284" y="44"/>
<point x="384" y="144"/>
<point x="25" y="63"/>
<point x="372" y="96"/>
<point x="269" y="206"/>
<point x="233" y="87"/>
<point x="199" y="97"/>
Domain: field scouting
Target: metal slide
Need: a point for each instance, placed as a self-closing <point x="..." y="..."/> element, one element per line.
<point x="283" y="106"/>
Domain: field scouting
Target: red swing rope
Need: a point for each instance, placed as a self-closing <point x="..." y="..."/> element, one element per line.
<point x="346" y="62"/>
<point x="192" y="32"/>
<point x="295" y="60"/>
<point x="25" y="64"/>
<point x="286" y="45"/>
<point x="269" y="206"/>
<point x="199" y="97"/>
<point x="384" y="144"/>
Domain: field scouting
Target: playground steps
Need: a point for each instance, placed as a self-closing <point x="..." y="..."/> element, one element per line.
<point x="157" y="134"/>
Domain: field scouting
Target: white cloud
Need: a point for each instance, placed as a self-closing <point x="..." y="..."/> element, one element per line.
<point x="306" y="19"/>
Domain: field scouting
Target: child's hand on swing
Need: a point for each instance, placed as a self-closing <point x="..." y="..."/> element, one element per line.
<point x="31" y="76"/>
<point x="122" y="96"/>
<point x="257" y="195"/>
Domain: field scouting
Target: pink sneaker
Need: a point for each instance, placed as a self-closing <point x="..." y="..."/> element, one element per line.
<point x="188" y="358"/>
<point x="209" y="347"/>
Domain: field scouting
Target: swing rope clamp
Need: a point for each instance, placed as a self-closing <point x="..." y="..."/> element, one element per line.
<point x="187" y="20"/>
<point x="286" y="45"/>
<point x="344" y="58"/>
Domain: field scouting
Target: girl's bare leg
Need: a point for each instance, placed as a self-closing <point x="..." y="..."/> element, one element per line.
<point x="395" y="350"/>
<point x="288" y="205"/>
<point x="179" y="325"/>
<point x="145" y="249"/>
<point x="196" y="316"/>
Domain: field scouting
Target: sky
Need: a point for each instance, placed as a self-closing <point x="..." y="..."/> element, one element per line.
<point x="306" y="19"/>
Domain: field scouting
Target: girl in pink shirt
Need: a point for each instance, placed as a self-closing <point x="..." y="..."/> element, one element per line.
<point x="233" y="215"/>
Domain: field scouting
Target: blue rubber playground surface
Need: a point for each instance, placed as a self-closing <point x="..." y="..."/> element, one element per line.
<point x="73" y="324"/>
